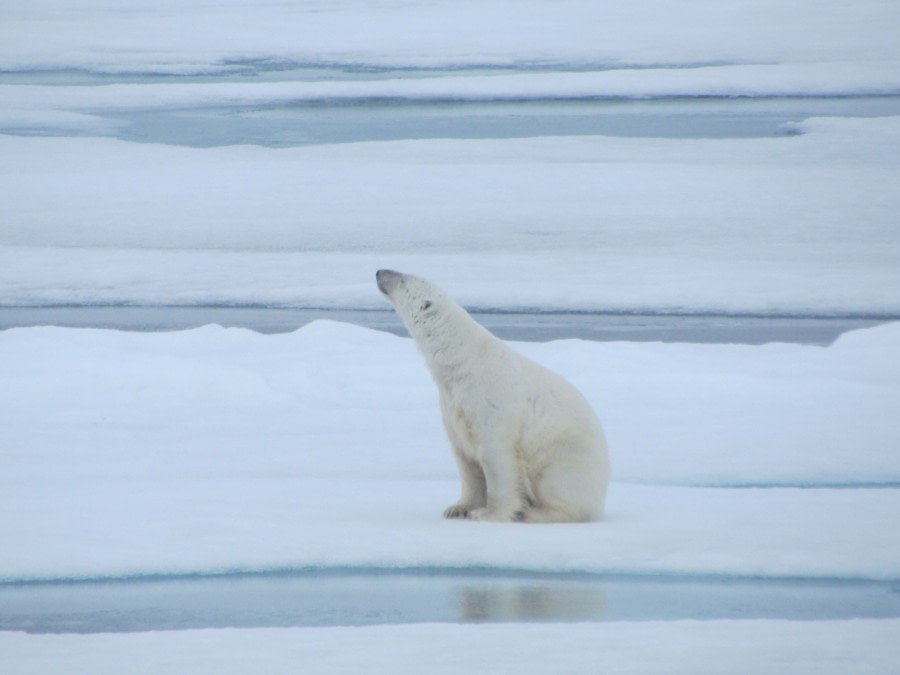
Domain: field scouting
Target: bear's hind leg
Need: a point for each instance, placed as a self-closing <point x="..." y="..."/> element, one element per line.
<point x="540" y="514"/>
<point x="568" y="494"/>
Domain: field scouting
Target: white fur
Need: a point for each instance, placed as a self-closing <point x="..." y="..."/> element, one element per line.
<point x="527" y="443"/>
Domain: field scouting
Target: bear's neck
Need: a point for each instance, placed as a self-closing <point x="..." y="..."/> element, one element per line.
<point x="449" y="342"/>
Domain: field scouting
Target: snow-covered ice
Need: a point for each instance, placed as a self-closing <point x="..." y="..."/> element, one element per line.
<point x="794" y="225"/>
<point x="689" y="648"/>
<point x="212" y="449"/>
<point x="324" y="447"/>
<point x="177" y="36"/>
<point x="802" y="224"/>
<point x="221" y="449"/>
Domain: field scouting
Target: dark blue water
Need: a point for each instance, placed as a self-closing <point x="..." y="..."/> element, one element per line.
<point x="342" y="597"/>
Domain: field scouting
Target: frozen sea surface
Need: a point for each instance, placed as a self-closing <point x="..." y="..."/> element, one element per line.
<point x="699" y="158"/>
<point x="799" y="225"/>
<point x="286" y="153"/>
<point x="585" y="158"/>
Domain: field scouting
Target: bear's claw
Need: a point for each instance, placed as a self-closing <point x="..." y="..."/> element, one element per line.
<point x="456" y="511"/>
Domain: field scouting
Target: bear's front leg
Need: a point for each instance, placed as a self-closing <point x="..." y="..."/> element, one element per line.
<point x="474" y="490"/>
<point x="505" y="502"/>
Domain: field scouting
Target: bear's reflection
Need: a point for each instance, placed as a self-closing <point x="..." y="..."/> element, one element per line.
<point x="531" y="602"/>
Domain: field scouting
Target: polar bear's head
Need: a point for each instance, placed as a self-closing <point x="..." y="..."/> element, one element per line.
<point x="430" y="316"/>
<point x="443" y="331"/>
<point x="414" y="298"/>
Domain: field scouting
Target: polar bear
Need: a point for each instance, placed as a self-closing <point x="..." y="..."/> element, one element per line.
<point x="527" y="444"/>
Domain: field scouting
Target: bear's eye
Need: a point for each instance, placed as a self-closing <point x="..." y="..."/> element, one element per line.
<point x="426" y="304"/>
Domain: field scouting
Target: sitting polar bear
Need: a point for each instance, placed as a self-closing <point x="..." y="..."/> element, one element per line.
<point x="527" y="443"/>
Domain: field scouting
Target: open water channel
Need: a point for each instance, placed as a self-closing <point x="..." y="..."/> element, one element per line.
<point x="523" y="326"/>
<point x="355" y="597"/>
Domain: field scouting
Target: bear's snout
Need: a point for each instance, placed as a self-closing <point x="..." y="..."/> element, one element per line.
<point x="387" y="280"/>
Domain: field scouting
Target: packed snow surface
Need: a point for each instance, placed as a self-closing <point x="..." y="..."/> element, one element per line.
<point x="324" y="447"/>
<point x="173" y="36"/>
<point x="212" y="450"/>
<point x="683" y="647"/>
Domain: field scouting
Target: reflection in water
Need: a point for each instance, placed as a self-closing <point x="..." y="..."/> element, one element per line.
<point x="502" y="601"/>
<point x="340" y="597"/>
